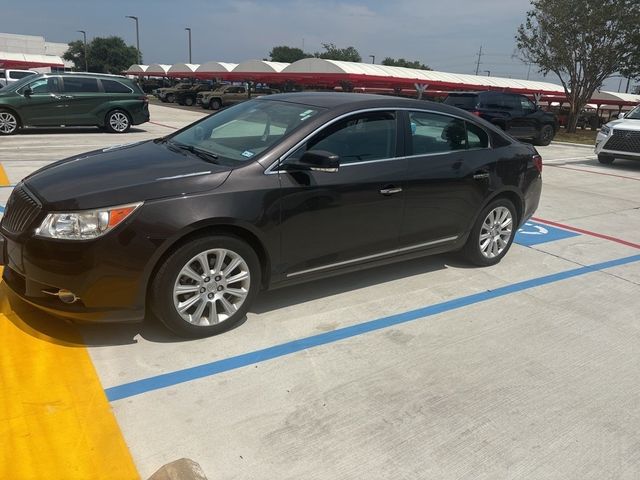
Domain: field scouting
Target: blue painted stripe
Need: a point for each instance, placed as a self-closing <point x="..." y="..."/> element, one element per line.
<point x="180" y="376"/>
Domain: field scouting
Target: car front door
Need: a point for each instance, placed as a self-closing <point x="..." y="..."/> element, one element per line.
<point x="83" y="98"/>
<point x="336" y="219"/>
<point x="449" y="176"/>
<point x="43" y="106"/>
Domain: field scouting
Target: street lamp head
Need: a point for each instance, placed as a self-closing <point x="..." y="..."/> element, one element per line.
<point x="188" y="28"/>
<point x="81" y="31"/>
<point x="131" y="16"/>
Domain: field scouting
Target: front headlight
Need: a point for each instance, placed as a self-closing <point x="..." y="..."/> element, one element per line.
<point x="605" y="130"/>
<point x="86" y="224"/>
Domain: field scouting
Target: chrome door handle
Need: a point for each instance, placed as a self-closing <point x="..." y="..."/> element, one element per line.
<point x="67" y="96"/>
<point x="390" y="190"/>
<point x="480" y="176"/>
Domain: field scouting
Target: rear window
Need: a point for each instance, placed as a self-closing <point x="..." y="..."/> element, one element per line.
<point x="113" y="86"/>
<point x="80" y="85"/>
<point x="466" y="102"/>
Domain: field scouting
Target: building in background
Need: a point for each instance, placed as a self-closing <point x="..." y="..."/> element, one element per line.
<point x="32" y="53"/>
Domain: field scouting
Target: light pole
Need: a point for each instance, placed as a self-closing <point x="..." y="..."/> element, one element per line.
<point x="488" y="72"/>
<point x="373" y="58"/>
<point x="188" y="29"/>
<point x="137" y="37"/>
<point x="86" y="61"/>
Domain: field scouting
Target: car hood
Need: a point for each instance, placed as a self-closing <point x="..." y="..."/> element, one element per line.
<point x="625" y="124"/>
<point x="123" y="174"/>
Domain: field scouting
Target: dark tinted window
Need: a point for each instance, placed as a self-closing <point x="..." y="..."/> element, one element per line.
<point x="433" y="133"/>
<point x="80" y="85"/>
<point x="113" y="86"/>
<point x="467" y="102"/>
<point x="495" y="102"/>
<point x="18" y="75"/>
<point x="526" y="104"/>
<point x="361" y="137"/>
<point x="476" y="137"/>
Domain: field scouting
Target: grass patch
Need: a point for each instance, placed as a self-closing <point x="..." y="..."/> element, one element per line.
<point x="585" y="137"/>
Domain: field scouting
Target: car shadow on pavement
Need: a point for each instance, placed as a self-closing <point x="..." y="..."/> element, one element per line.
<point x="52" y="329"/>
<point x="618" y="166"/>
<point x="81" y="130"/>
<point x="313" y="290"/>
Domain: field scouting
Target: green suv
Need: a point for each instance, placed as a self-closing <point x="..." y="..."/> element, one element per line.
<point x="70" y="99"/>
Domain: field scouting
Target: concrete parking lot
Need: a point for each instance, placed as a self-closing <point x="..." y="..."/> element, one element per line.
<point x="423" y="369"/>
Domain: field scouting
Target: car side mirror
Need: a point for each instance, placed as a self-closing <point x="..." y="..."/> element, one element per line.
<point x="27" y="92"/>
<point x="621" y="115"/>
<point x="316" y="161"/>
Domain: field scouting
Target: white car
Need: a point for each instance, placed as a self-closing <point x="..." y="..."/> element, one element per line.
<point x="10" y="76"/>
<point x="620" y="138"/>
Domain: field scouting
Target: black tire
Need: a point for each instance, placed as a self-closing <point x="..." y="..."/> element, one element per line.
<point x="215" y="104"/>
<point x="162" y="291"/>
<point x="605" y="159"/>
<point x="171" y="97"/>
<point x="9" y="122"/>
<point x="472" y="250"/>
<point x="117" y="121"/>
<point x="189" y="101"/>
<point x="545" y="135"/>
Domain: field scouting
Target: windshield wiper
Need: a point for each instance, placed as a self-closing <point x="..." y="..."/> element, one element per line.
<point x="203" y="154"/>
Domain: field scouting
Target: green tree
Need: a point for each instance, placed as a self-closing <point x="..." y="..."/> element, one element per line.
<point x="331" y="52"/>
<point x="282" y="53"/>
<point x="401" y="62"/>
<point x="105" y="55"/>
<point x="582" y="42"/>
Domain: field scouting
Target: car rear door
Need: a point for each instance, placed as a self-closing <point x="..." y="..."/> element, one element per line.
<point x="330" y="220"/>
<point x="450" y="168"/>
<point x="44" y="106"/>
<point x="83" y="99"/>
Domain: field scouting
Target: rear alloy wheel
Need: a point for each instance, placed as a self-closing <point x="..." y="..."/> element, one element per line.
<point x="8" y="123"/>
<point x="206" y="286"/>
<point x="545" y="136"/>
<point x="605" y="159"/>
<point x="215" y="104"/>
<point x="171" y="98"/>
<point x="188" y="101"/>
<point x="118" y="122"/>
<point x="492" y="234"/>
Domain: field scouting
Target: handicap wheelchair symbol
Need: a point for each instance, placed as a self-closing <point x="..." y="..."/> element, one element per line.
<point x="533" y="229"/>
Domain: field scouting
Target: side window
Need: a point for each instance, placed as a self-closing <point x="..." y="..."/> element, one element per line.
<point x="42" y="86"/>
<point x="512" y="102"/>
<point x="358" y="138"/>
<point x="434" y="133"/>
<point x="527" y="105"/>
<point x="476" y="136"/>
<point x="80" y="85"/>
<point x="113" y="86"/>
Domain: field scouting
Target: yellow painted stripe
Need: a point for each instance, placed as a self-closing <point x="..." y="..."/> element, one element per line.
<point x="55" y="420"/>
<point x="4" y="179"/>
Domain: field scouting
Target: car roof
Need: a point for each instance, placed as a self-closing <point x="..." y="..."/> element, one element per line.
<point x="349" y="101"/>
<point x="84" y="74"/>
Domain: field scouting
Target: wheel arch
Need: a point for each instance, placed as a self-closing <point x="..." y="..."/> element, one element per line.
<point x="202" y="230"/>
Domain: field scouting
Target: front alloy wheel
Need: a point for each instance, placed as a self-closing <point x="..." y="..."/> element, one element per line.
<point x="8" y="123"/>
<point x="206" y="286"/>
<point x="492" y="234"/>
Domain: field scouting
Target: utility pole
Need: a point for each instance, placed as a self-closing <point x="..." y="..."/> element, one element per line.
<point x="86" y="62"/>
<point x="528" y="70"/>
<point x="479" y="57"/>
<point x="188" y="29"/>
<point x="626" y="90"/>
<point x="137" y="37"/>
<point x="373" y="58"/>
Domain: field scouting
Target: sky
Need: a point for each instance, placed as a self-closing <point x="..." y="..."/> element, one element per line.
<point x="446" y="35"/>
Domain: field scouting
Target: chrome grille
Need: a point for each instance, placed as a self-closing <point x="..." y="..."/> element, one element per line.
<point x="22" y="209"/>
<point x="624" y="141"/>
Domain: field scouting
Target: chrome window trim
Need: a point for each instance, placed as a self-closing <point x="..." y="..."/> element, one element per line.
<point x="272" y="169"/>
<point x="375" y="255"/>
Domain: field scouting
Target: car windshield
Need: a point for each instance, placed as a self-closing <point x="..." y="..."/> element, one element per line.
<point x="241" y="133"/>
<point x="634" y="114"/>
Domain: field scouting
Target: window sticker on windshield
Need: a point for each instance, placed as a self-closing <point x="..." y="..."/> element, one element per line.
<point x="304" y="118"/>
<point x="248" y="154"/>
<point x="306" y="113"/>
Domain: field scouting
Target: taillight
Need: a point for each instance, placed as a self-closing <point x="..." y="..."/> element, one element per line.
<point x="537" y="162"/>
<point x="144" y="98"/>
<point x="476" y="113"/>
